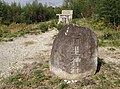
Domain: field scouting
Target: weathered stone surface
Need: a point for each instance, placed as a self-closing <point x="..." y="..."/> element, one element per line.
<point x="74" y="53"/>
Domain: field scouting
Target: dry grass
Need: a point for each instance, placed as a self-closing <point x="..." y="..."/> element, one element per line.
<point x="17" y="27"/>
<point x="29" y="43"/>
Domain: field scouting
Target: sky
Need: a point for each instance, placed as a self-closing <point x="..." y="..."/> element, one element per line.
<point x="49" y="2"/>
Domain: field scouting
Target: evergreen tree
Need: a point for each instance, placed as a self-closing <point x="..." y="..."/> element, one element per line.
<point x="81" y="7"/>
<point x="110" y="11"/>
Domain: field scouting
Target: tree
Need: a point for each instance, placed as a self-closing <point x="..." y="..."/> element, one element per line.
<point x="15" y="11"/>
<point x="110" y="11"/>
<point x="74" y="5"/>
<point x="6" y="17"/>
<point x="81" y="7"/>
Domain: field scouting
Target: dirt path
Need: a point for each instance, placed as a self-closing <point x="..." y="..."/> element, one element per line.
<point x="110" y="54"/>
<point x="24" y="50"/>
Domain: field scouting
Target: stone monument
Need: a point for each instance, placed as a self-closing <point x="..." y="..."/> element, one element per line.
<point x="74" y="53"/>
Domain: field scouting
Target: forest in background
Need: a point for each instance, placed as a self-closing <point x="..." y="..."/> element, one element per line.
<point x="105" y="10"/>
<point x="102" y="16"/>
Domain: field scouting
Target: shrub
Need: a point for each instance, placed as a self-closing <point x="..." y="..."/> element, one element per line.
<point x="43" y="28"/>
<point x="7" y="22"/>
<point x="63" y="85"/>
<point x="60" y="26"/>
<point x="75" y="21"/>
<point x="52" y="24"/>
<point x="4" y="31"/>
<point x="115" y="35"/>
<point x="28" y="21"/>
<point x="107" y="35"/>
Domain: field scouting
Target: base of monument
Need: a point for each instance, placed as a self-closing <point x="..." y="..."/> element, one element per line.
<point x="64" y="75"/>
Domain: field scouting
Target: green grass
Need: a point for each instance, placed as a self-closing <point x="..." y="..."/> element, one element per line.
<point x="63" y="85"/>
<point x="21" y="79"/>
<point x="55" y="81"/>
<point x="15" y="80"/>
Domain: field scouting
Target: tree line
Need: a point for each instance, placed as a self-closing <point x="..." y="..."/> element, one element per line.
<point x="30" y="13"/>
<point x="106" y="10"/>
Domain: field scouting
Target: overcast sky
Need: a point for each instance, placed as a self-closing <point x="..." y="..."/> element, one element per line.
<point x="49" y="2"/>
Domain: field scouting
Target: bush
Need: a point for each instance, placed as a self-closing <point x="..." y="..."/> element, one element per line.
<point x="52" y="24"/>
<point x="107" y="35"/>
<point x="110" y="35"/>
<point x="115" y="35"/>
<point x="43" y="27"/>
<point x="59" y="26"/>
<point x="75" y="21"/>
<point x="63" y="85"/>
<point x="28" y="21"/>
<point x="4" y="31"/>
<point x="6" y="22"/>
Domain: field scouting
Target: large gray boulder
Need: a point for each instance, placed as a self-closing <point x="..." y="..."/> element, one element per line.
<point x="74" y="53"/>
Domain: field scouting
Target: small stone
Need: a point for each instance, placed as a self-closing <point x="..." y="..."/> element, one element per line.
<point x="67" y="30"/>
<point x="65" y="80"/>
<point x="88" y="82"/>
<point x="68" y="82"/>
<point x="76" y="81"/>
<point x="65" y="33"/>
<point x="73" y="81"/>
